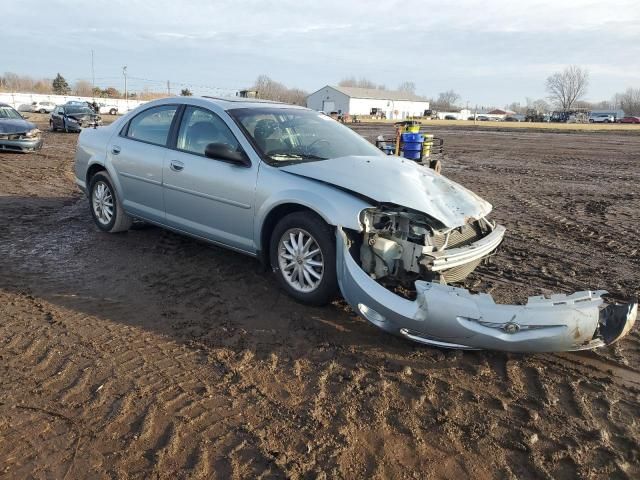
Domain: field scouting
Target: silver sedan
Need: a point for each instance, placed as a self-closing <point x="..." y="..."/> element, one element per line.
<point x="327" y="212"/>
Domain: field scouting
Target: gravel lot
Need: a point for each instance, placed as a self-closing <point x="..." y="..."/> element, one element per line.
<point x="150" y="355"/>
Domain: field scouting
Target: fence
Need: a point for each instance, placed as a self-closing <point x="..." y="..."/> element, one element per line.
<point x="21" y="100"/>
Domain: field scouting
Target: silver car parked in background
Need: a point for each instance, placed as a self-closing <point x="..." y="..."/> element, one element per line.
<point x="326" y="210"/>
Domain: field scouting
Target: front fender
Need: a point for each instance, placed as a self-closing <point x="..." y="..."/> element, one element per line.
<point x="275" y="188"/>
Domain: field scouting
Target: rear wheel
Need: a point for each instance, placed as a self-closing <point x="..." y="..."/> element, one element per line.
<point x="303" y="257"/>
<point x="113" y="111"/>
<point x="106" y="209"/>
<point x="42" y="110"/>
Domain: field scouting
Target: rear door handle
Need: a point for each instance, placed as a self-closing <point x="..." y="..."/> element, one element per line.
<point x="176" y="166"/>
<point x="115" y="149"/>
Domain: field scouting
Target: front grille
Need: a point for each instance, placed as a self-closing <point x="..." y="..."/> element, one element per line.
<point x="459" y="237"/>
<point x="13" y="136"/>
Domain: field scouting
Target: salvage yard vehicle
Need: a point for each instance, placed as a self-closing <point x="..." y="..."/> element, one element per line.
<point x="327" y="210"/>
<point x="73" y="118"/>
<point x="630" y="120"/>
<point x="601" y="118"/>
<point x="16" y="133"/>
<point x="42" y="107"/>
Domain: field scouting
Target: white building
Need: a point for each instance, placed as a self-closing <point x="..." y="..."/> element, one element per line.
<point x="368" y="101"/>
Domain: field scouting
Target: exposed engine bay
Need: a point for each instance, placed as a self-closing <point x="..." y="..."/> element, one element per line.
<point x="401" y="245"/>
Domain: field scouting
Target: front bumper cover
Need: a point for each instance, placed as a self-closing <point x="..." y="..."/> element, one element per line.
<point x="453" y="317"/>
<point x="22" y="145"/>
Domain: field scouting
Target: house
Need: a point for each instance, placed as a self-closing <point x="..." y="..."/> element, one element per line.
<point x="368" y="101"/>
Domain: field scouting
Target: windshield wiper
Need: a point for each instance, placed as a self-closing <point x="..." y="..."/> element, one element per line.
<point x="296" y="156"/>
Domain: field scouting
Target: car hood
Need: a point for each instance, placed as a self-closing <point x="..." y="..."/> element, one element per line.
<point x="390" y="179"/>
<point x="15" y="125"/>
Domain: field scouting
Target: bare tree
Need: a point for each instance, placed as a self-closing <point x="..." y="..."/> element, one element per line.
<point x="445" y="101"/>
<point x="408" y="87"/>
<point x="271" y="90"/>
<point x="629" y="101"/>
<point x="540" y="105"/>
<point x="359" y="83"/>
<point x="82" y="88"/>
<point x="568" y="86"/>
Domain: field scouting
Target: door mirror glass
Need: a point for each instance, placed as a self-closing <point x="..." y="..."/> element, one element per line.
<point x="222" y="151"/>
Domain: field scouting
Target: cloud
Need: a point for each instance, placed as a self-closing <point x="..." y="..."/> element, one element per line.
<point x="492" y="51"/>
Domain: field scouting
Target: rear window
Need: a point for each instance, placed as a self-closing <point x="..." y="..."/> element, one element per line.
<point x="152" y="125"/>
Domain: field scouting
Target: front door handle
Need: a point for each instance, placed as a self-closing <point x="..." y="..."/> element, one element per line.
<point x="176" y="166"/>
<point x="115" y="149"/>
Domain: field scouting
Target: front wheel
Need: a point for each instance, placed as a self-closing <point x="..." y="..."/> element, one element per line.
<point x="303" y="257"/>
<point x="106" y="209"/>
<point x="113" y="111"/>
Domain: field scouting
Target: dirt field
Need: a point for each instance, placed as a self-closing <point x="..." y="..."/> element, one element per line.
<point x="150" y="355"/>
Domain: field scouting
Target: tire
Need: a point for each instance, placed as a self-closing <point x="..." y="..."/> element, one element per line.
<point x="323" y="239"/>
<point x="52" y="126"/>
<point x="42" y="110"/>
<point x="108" y="214"/>
<point x="113" y="111"/>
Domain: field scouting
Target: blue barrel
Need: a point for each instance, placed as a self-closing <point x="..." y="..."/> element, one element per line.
<point x="412" y="154"/>
<point x="411" y="146"/>
<point x="412" y="137"/>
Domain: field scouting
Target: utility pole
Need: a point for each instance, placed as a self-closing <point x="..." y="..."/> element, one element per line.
<point x="168" y="88"/>
<point x="124" y="73"/>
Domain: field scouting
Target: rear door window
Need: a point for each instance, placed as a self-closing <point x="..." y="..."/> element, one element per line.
<point x="152" y="125"/>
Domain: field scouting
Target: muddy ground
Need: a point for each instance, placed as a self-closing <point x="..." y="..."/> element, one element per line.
<point x="150" y="355"/>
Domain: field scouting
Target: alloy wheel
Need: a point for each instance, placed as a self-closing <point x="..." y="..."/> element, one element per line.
<point x="300" y="260"/>
<point x="102" y="202"/>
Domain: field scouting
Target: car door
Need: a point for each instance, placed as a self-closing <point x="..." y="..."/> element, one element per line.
<point x="204" y="196"/>
<point x="56" y="117"/>
<point x="137" y="153"/>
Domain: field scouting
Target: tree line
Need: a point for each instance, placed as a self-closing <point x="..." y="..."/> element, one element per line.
<point x="13" y="82"/>
<point x="566" y="91"/>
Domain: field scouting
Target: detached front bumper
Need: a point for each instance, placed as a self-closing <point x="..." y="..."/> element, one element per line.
<point x="453" y="317"/>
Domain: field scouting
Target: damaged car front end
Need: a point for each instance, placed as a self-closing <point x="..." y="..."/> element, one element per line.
<point x="447" y="316"/>
<point x="16" y="133"/>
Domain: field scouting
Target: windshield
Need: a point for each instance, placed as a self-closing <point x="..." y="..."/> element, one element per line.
<point x="285" y="136"/>
<point x="8" y="112"/>
<point x="75" y="109"/>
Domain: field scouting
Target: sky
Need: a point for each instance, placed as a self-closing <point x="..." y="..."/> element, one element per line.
<point x="492" y="52"/>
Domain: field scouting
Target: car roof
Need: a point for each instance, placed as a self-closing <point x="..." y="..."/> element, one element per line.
<point x="4" y="105"/>
<point x="225" y="103"/>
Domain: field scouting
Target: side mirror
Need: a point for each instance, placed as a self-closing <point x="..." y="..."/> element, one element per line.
<point x="221" y="151"/>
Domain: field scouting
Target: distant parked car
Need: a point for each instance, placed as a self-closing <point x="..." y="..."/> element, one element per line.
<point x="42" y="107"/>
<point x="515" y="118"/>
<point x="450" y="117"/>
<point x="73" y="118"/>
<point x="482" y="118"/>
<point x="105" y="108"/>
<point x="630" y="120"/>
<point x="602" y="118"/>
<point x="16" y="133"/>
